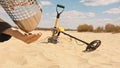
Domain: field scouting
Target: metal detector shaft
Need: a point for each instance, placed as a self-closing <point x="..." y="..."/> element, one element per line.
<point x="58" y="13"/>
<point x="59" y="10"/>
<point x="75" y="38"/>
<point x="90" y="46"/>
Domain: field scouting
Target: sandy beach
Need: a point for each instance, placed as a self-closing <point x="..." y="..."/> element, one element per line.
<point x="68" y="53"/>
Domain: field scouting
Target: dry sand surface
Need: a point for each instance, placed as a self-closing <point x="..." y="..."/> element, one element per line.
<point x="66" y="54"/>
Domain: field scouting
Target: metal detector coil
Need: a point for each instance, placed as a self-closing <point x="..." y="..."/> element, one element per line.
<point x="25" y="13"/>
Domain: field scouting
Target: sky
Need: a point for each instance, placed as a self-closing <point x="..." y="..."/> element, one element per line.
<point x="77" y="12"/>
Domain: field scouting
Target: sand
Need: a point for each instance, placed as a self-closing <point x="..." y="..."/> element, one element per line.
<point x="68" y="53"/>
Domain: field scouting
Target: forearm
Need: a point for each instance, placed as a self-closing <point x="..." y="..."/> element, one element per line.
<point x="14" y="32"/>
<point x="21" y="36"/>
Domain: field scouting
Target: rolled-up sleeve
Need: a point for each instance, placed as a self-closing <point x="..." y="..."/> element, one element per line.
<point x="3" y="27"/>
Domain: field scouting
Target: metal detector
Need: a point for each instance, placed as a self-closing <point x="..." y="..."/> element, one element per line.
<point x="57" y="30"/>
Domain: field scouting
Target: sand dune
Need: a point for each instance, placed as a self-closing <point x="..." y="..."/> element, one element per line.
<point x="66" y="54"/>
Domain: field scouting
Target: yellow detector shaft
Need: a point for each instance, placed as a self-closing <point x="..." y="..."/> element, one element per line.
<point x="59" y="10"/>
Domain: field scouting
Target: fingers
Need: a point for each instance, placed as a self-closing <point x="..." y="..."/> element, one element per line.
<point x="32" y="38"/>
